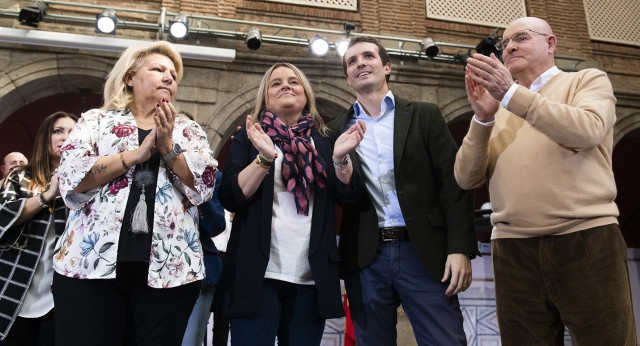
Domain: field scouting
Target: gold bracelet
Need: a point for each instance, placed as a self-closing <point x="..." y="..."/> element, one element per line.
<point x="262" y="162"/>
<point x="126" y="168"/>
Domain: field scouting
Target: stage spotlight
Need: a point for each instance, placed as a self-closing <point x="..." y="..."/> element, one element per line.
<point x="488" y="46"/>
<point x="106" y="22"/>
<point x="319" y="46"/>
<point x="32" y="14"/>
<point x="179" y="27"/>
<point x="462" y="57"/>
<point x="341" y="46"/>
<point x="254" y="38"/>
<point x="349" y="26"/>
<point x="429" y="47"/>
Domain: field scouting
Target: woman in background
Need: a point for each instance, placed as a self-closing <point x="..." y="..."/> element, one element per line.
<point x="280" y="277"/>
<point x="32" y="217"/>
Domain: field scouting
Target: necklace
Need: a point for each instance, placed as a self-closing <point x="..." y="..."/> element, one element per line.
<point x="290" y="123"/>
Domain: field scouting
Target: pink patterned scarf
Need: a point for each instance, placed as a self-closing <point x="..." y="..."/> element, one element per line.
<point x="301" y="164"/>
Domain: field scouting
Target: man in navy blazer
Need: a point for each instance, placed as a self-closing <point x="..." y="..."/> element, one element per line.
<point x="410" y="238"/>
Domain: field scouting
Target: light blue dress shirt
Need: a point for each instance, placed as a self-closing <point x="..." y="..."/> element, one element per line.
<point x="376" y="155"/>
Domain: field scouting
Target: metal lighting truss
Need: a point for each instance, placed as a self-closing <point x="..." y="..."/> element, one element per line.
<point x="195" y="51"/>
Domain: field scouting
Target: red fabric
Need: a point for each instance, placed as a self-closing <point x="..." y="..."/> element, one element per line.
<point x="349" y="336"/>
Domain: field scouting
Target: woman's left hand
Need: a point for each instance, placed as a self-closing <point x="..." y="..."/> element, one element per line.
<point x="53" y="191"/>
<point x="349" y="140"/>
<point x="164" y="121"/>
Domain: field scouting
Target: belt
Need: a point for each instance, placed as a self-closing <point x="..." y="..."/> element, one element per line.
<point x="394" y="233"/>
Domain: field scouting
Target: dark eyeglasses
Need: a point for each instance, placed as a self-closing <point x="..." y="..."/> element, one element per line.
<point x="518" y="37"/>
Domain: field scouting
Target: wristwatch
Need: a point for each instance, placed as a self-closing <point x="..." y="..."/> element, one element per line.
<point x="173" y="153"/>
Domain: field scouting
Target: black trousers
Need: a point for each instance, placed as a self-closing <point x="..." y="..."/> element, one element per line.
<point x="31" y="331"/>
<point x="121" y="311"/>
<point x="220" y="323"/>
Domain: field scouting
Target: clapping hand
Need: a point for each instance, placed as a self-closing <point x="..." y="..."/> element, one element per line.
<point x="147" y="148"/>
<point x="490" y="72"/>
<point x="260" y="140"/>
<point x="482" y="102"/>
<point x="53" y="191"/>
<point x="349" y="140"/>
<point x="164" y="122"/>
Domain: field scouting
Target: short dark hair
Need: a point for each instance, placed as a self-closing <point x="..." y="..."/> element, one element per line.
<point x="384" y="56"/>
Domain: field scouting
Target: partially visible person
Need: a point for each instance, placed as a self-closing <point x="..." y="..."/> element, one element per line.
<point x="410" y="238"/>
<point x="211" y="223"/>
<point x="221" y="323"/>
<point x="11" y="160"/>
<point x="129" y="265"/>
<point x="349" y="333"/>
<point x="544" y="145"/>
<point x="32" y="217"/>
<point x="280" y="277"/>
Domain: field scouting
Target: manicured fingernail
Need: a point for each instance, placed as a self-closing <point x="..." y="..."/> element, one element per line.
<point x="157" y="105"/>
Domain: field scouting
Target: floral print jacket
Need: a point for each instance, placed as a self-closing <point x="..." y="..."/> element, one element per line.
<point x="88" y="249"/>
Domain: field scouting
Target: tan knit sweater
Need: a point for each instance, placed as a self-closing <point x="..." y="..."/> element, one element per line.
<point x="547" y="158"/>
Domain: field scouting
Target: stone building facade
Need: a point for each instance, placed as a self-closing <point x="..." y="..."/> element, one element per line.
<point x="37" y="80"/>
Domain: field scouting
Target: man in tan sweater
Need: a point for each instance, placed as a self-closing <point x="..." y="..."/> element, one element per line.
<point x="544" y="144"/>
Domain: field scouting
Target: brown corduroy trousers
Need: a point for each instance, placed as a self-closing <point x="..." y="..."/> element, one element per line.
<point x="579" y="280"/>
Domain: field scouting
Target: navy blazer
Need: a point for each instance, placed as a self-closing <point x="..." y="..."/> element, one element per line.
<point x="249" y="245"/>
<point x="211" y="223"/>
<point x="437" y="212"/>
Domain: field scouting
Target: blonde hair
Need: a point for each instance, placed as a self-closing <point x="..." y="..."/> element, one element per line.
<point x="117" y="94"/>
<point x="261" y="97"/>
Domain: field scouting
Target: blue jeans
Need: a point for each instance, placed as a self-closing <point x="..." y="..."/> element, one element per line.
<point x="287" y="310"/>
<point x="397" y="276"/>
<point x="197" y="326"/>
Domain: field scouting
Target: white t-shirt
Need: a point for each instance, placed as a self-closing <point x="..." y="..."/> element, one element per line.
<point x="222" y="239"/>
<point x="290" y="233"/>
<point x="39" y="300"/>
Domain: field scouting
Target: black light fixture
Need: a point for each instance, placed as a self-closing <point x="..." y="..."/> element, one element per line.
<point x="342" y="43"/>
<point x="488" y="45"/>
<point x="429" y="47"/>
<point x="106" y="22"/>
<point x="348" y="27"/>
<point x="462" y="56"/>
<point x="179" y="27"/>
<point x="254" y="38"/>
<point x="32" y="14"/>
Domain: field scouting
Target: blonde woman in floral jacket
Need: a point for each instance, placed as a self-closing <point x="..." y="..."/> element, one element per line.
<point x="129" y="260"/>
